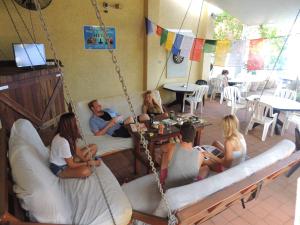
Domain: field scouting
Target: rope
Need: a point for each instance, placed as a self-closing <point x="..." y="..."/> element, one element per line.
<point x="170" y="53"/>
<point x="32" y="28"/>
<point x="16" y="29"/>
<point x="187" y="83"/>
<point x="28" y="30"/>
<point x="172" y="218"/>
<point x="72" y="104"/>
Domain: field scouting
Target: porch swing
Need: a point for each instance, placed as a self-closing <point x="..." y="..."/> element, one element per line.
<point x="188" y="204"/>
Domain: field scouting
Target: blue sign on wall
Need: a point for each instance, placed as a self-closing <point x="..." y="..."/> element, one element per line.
<point x="94" y="38"/>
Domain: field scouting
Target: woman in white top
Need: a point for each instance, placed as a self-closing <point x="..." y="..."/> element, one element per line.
<point x="64" y="151"/>
<point x="234" y="147"/>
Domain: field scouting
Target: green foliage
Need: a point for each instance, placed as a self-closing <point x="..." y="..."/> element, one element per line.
<point x="227" y="27"/>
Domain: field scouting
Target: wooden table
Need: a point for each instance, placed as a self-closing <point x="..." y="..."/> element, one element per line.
<point x="180" y="89"/>
<point x="159" y="139"/>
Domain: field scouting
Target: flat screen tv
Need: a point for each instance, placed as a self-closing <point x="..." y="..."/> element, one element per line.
<point x="29" y="55"/>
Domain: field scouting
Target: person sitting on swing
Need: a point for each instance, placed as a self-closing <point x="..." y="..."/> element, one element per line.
<point x="234" y="149"/>
<point x="107" y="121"/>
<point x="181" y="163"/>
<point x="64" y="151"/>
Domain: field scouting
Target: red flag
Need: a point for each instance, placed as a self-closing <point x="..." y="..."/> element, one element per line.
<point x="159" y="30"/>
<point x="255" y="58"/>
<point x="197" y="49"/>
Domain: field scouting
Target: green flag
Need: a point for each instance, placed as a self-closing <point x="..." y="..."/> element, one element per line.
<point x="210" y="46"/>
<point x="163" y="37"/>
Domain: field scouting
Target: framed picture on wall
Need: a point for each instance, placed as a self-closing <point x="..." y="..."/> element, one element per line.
<point x="94" y="38"/>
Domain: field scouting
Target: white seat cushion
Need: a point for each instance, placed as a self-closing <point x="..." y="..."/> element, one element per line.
<point x="182" y="196"/>
<point x="143" y="193"/>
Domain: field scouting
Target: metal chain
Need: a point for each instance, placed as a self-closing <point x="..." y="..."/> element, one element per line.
<point x="72" y="105"/>
<point x="172" y="218"/>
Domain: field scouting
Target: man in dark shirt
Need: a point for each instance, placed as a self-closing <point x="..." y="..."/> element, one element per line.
<point x="107" y="121"/>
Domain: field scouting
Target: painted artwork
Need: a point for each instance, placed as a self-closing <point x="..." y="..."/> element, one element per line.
<point x="94" y="38"/>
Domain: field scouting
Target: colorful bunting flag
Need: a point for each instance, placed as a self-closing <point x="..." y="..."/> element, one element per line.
<point x="222" y="49"/>
<point x="186" y="46"/>
<point x="159" y="30"/>
<point x="170" y="40"/>
<point x="237" y="53"/>
<point x="163" y="37"/>
<point x="197" y="49"/>
<point x="255" y="58"/>
<point x="149" y="26"/>
<point x="210" y="46"/>
<point x="177" y="44"/>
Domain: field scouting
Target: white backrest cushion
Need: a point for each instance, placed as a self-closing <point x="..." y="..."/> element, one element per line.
<point x="117" y="103"/>
<point x="36" y="186"/>
<point x="188" y="194"/>
<point x="24" y="130"/>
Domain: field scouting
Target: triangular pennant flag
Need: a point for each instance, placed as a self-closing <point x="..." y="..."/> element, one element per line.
<point x="177" y="44"/>
<point x="186" y="46"/>
<point x="222" y="49"/>
<point x="149" y="27"/>
<point x="255" y="58"/>
<point x="237" y="53"/>
<point x="163" y="37"/>
<point x="170" y="40"/>
<point x="210" y="46"/>
<point x="159" y="30"/>
<point x="197" y="49"/>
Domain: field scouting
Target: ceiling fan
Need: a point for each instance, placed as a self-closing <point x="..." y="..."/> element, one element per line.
<point x="30" y="4"/>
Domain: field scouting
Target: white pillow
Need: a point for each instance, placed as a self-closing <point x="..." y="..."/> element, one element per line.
<point x="23" y="129"/>
<point x="36" y="186"/>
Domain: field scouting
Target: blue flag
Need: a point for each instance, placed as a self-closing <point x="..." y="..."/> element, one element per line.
<point x="149" y="27"/>
<point x="177" y="44"/>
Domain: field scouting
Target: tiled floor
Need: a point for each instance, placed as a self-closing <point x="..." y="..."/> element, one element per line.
<point x="276" y="202"/>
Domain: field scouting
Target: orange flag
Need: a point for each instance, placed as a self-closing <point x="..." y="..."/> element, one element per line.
<point x="159" y="30"/>
<point x="197" y="49"/>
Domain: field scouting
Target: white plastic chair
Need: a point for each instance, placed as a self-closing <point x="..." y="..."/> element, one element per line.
<point x="288" y="94"/>
<point x="195" y="98"/>
<point x="216" y="87"/>
<point x="232" y="96"/>
<point x="244" y="88"/>
<point x="263" y="114"/>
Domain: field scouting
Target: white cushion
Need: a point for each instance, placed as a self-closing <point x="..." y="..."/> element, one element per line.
<point x="182" y="196"/>
<point x="36" y="186"/>
<point x="23" y="129"/>
<point x="63" y="201"/>
<point x="143" y="193"/>
<point x="106" y="143"/>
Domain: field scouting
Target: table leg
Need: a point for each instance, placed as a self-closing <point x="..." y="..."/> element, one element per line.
<point x="198" y="136"/>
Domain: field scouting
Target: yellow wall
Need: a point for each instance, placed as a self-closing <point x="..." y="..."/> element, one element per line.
<point x="170" y="14"/>
<point x="88" y="73"/>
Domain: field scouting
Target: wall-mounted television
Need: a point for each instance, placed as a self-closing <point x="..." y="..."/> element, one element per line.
<point x="29" y="55"/>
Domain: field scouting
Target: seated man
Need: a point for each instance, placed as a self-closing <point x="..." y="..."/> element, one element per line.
<point x="107" y="121"/>
<point x="181" y="163"/>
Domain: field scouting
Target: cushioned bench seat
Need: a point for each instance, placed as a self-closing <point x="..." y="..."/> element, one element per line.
<point x="49" y="199"/>
<point x="107" y="144"/>
<point x="145" y="188"/>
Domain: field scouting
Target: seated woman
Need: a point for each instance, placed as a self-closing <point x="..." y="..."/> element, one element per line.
<point x="181" y="163"/>
<point x="234" y="148"/>
<point x="151" y="106"/>
<point x="64" y="151"/>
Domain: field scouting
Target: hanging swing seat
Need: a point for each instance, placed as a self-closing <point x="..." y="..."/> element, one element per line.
<point x="106" y="143"/>
<point x="199" y="201"/>
<point x="45" y="197"/>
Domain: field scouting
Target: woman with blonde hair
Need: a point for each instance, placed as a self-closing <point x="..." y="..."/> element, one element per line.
<point x="150" y="105"/>
<point x="234" y="148"/>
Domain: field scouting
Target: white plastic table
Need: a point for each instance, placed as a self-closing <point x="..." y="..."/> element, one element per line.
<point x="180" y="89"/>
<point x="281" y="104"/>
